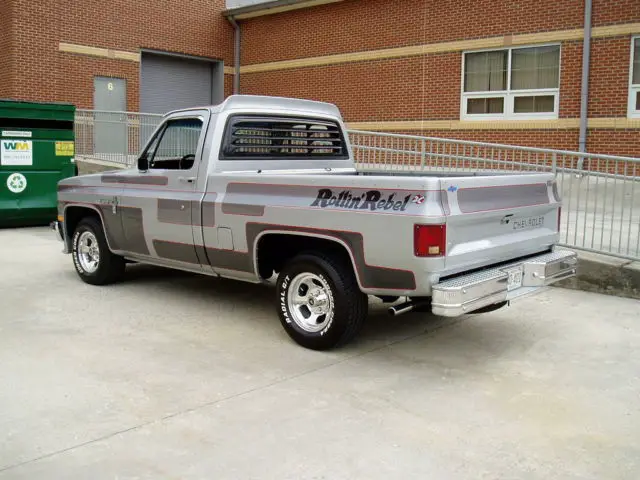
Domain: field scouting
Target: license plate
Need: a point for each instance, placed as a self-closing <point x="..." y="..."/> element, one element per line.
<point x="525" y="223"/>
<point x="514" y="279"/>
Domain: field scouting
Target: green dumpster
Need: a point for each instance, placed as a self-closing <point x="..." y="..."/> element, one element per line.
<point x="36" y="151"/>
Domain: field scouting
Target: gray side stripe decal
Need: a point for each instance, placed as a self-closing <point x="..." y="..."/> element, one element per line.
<point x="186" y="212"/>
<point x="180" y="252"/>
<point x="230" y="260"/>
<point x="112" y="227"/>
<point x="370" y="276"/>
<point x="240" y="209"/>
<point x="174" y="211"/>
<point x="134" y="230"/>
<point x="208" y="211"/>
<point x="498" y="198"/>
<point x="134" y="179"/>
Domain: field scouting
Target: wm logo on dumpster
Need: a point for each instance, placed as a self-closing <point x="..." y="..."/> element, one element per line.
<point x="24" y="146"/>
<point x="16" y="152"/>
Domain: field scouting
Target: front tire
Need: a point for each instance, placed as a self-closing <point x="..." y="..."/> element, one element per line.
<point x="94" y="262"/>
<point x="319" y="301"/>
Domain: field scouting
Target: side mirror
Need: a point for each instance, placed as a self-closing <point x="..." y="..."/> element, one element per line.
<point x="143" y="163"/>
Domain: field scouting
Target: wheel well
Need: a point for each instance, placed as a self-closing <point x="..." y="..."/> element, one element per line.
<point x="73" y="215"/>
<point x="274" y="250"/>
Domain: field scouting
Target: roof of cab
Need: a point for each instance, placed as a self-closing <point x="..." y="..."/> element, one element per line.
<point x="259" y="102"/>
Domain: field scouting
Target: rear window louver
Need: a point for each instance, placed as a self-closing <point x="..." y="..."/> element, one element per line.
<point x="283" y="138"/>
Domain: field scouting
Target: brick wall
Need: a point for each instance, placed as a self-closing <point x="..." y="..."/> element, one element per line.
<point x="193" y="27"/>
<point x="412" y="88"/>
<point x="6" y="57"/>
<point x="428" y="87"/>
<point x="612" y="12"/>
<point x="563" y="139"/>
<point x="359" y="25"/>
<point x="609" y="76"/>
<point x="624" y="142"/>
<point x="401" y="89"/>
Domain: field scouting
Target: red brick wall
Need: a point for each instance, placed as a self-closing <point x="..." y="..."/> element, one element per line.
<point x="614" y="142"/>
<point x="359" y="25"/>
<point x="228" y="85"/>
<point x="6" y="57"/>
<point x="192" y="27"/>
<point x="570" y="78"/>
<point x="612" y="12"/>
<point x="609" y="76"/>
<point x="563" y="139"/>
<point x="428" y="87"/>
<point x="413" y="88"/>
<point x="400" y="89"/>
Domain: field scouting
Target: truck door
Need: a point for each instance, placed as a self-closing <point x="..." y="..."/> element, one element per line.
<point x="159" y="207"/>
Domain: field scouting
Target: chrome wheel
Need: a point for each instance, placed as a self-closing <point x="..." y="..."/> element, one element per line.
<point x="88" y="252"/>
<point x="310" y="302"/>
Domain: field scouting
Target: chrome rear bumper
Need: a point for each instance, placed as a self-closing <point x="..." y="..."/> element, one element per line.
<point x="467" y="293"/>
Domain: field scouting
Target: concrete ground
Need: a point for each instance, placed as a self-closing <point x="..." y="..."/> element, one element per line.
<point x="172" y="375"/>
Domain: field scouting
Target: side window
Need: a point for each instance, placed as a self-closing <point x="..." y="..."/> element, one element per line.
<point x="176" y="149"/>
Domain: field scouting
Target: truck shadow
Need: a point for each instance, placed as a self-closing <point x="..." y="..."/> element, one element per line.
<point x="255" y="304"/>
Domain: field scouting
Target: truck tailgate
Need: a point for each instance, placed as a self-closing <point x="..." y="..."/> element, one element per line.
<point x="494" y="219"/>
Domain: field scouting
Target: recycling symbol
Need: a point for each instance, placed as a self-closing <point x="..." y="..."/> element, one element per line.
<point x="16" y="182"/>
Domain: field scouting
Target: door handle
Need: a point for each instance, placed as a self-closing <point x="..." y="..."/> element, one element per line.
<point x="186" y="179"/>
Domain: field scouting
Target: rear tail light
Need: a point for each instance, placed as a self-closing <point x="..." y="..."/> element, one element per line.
<point x="429" y="240"/>
<point x="559" y="217"/>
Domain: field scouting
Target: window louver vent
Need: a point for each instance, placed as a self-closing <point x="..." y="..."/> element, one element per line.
<point x="281" y="137"/>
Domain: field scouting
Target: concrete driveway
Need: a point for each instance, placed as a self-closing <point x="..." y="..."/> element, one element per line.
<point x="171" y="375"/>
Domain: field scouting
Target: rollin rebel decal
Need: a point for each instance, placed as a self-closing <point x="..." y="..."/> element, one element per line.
<point x="372" y="200"/>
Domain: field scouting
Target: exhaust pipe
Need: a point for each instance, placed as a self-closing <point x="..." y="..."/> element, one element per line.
<point x="406" y="307"/>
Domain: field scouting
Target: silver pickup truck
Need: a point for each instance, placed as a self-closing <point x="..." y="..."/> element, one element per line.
<point x="263" y="186"/>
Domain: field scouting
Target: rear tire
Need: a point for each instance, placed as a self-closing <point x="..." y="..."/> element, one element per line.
<point x="319" y="301"/>
<point x="94" y="262"/>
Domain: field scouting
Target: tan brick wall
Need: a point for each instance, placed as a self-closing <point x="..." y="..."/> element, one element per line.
<point x="193" y="27"/>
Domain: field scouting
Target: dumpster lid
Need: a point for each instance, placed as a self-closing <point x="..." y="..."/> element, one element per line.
<point x="10" y="108"/>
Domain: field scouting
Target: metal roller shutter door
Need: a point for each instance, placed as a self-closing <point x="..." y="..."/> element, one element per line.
<point x="169" y="83"/>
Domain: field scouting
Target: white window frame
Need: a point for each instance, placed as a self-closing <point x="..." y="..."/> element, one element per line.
<point x="634" y="90"/>
<point x="510" y="95"/>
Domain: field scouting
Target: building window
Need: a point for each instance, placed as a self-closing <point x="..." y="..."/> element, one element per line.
<point x="634" y="84"/>
<point x="513" y="83"/>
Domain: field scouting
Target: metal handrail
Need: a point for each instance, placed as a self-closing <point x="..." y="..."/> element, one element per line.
<point x="601" y="208"/>
<point x="497" y="145"/>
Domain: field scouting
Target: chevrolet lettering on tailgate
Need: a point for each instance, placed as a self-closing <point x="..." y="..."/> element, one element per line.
<point x="528" y="222"/>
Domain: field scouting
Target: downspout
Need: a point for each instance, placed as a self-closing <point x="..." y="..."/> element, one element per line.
<point x="236" y="55"/>
<point x="584" y="89"/>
